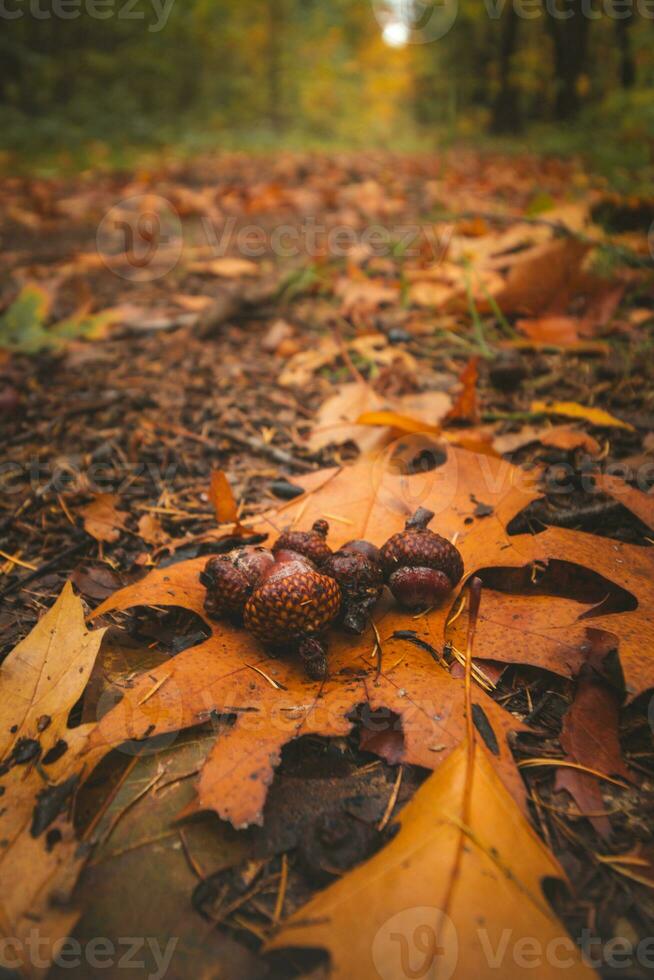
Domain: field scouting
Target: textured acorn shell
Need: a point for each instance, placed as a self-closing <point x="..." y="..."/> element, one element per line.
<point x="293" y="601"/>
<point x="422" y="548"/>
<point x="228" y="590"/>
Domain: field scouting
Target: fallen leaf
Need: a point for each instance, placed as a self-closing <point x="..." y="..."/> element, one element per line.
<point x="596" y="416"/>
<point x="223" y="500"/>
<point x="42" y="679"/>
<point x="225" y="267"/>
<point x="374" y="348"/>
<point x="346" y="416"/>
<point x="397" y="422"/>
<point x="151" y="531"/>
<point x="360" y="297"/>
<point x="95" y="582"/>
<point x="465" y="407"/>
<point x="371" y="500"/>
<point x="277" y="333"/>
<point x="102" y="519"/>
<point x="560" y="436"/>
<point x="590" y="737"/>
<point x="545" y="278"/>
<point x="559" y="330"/>
<point x="564" y="437"/>
<point x="464" y="870"/>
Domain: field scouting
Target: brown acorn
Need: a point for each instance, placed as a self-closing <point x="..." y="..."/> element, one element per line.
<point x="291" y="606"/>
<point x="363" y="547"/>
<point x="361" y="581"/>
<point x="230" y="580"/>
<point x="420" y="566"/>
<point x="312" y="544"/>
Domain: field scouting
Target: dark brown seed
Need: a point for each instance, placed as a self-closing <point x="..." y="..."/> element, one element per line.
<point x="419" y="588"/>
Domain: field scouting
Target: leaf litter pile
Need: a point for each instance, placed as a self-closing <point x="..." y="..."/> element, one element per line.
<point x="483" y="765"/>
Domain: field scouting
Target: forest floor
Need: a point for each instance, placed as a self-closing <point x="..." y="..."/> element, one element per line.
<point x="239" y="315"/>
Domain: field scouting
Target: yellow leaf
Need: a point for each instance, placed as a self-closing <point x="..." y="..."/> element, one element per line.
<point x="464" y="871"/>
<point x="402" y="423"/>
<point x="596" y="416"/>
<point x="41" y="679"/>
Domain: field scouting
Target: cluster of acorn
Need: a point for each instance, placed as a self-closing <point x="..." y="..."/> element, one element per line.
<point x="287" y="597"/>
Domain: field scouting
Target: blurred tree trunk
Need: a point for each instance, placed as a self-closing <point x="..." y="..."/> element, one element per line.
<point x="569" y="28"/>
<point x="627" y="62"/>
<point x="275" y="33"/>
<point x="506" y="117"/>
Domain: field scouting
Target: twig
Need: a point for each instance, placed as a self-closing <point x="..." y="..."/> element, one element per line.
<point x="281" y="894"/>
<point x="392" y="800"/>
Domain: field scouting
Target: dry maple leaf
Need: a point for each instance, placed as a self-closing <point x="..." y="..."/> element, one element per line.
<point x="42" y="679"/>
<point x="102" y="519"/>
<point x="464" y="870"/>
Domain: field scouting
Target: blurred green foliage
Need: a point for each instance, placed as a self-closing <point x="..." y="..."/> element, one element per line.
<point x="82" y="89"/>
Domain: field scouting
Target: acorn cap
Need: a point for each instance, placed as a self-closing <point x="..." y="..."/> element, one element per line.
<point x="417" y="546"/>
<point x="312" y="544"/>
<point x="292" y="601"/>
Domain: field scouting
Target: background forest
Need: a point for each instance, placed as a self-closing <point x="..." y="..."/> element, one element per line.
<point x="84" y="79"/>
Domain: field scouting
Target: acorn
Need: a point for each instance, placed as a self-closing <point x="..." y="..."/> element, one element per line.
<point x="360" y="577"/>
<point x="420" y="566"/>
<point x="291" y="606"/>
<point x="366" y="548"/>
<point x="312" y="544"/>
<point x="230" y="580"/>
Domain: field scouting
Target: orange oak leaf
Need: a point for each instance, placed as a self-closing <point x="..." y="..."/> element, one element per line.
<point x="271" y="699"/>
